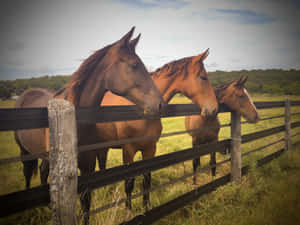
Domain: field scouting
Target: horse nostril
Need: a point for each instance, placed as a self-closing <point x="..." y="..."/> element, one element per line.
<point x="215" y="112"/>
<point x="206" y="113"/>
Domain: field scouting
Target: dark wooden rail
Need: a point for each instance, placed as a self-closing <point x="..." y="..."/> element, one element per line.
<point x="30" y="118"/>
<point x="39" y="196"/>
<point x="165" y="209"/>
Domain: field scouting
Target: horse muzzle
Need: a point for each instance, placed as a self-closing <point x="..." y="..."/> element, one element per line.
<point x="209" y="114"/>
<point x="156" y="110"/>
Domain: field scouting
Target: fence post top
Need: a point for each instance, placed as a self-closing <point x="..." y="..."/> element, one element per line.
<point x="60" y="104"/>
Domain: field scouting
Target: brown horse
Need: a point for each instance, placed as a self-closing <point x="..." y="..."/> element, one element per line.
<point x="235" y="96"/>
<point x="114" y="68"/>
<point x="187" y="76"/>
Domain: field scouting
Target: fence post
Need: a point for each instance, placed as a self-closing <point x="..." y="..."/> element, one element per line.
<point x="287" y="124"/>
<point x="63" y="161"/>
<point x="236" y="152"/>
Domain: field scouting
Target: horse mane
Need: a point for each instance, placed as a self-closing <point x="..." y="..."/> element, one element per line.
<point x="174" y="68"/>
<point x="219" y="90"/>
<point x="79" y="77"/>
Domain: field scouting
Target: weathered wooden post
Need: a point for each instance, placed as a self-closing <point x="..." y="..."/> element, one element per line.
<point x="63" y="161"/>
<point x="236" y="152"/>
<point x="287" y="124"/>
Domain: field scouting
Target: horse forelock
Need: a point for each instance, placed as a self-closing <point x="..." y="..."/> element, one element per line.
<point x="221" y="89"/>
<point x="174" y="68"/>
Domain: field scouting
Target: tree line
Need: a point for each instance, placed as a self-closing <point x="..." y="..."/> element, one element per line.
<point x="10" y="88"/>
<point x="272" y="81"/>
<point x="275" y="81"/>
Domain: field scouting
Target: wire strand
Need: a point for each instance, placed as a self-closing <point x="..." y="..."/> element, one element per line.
<point x="262" y="147"/>
<point x="173" y="181"/>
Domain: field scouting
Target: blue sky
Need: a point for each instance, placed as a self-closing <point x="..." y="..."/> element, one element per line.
<point x="246" y="16"/>
<point x="154" y="3"/>
<point x="53" y="37"/>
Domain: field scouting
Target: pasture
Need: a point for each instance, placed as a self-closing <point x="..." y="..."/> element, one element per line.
<point x="259" y="200"/>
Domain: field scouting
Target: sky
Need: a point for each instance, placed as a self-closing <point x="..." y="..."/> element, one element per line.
<point x="42" y="37"/>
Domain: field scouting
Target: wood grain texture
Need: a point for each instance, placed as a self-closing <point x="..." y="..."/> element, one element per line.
<point x="63" y="161"/>
<point x="236" y="151"/>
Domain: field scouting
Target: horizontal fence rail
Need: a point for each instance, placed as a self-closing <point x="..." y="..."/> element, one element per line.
<point x="39" y="196"/>
<point x="263" y="147"/>
<point x="120" y="142"/>
<point x="25" y="118"/>
<point x="30" y="118"/>
<point x="22" y="200"/>
<point x="163" y="210"/>
<point x="117" y="143"/>
<point x="116" y="174"/>
<point x="267" y="118"/>
<point x="173" y="181"/>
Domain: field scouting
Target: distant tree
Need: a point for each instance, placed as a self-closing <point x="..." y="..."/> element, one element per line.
<point x="5" y="92"/>
<point x="273" y="81"/>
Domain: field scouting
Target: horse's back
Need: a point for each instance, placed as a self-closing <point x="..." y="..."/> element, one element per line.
<point x="33" y="141"/>
<point x="34" y="98"/>
<point x="110" y="99"/>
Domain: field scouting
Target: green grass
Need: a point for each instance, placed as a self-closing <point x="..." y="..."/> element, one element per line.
<point x="269" y="195"/>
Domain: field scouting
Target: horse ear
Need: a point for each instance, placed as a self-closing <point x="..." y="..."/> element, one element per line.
<point x="245" y="78"/>
<point x="134" y="42"/>
<point x="125" y="39"/>
<point x="202" y="56"/>
<point x="237" y="83"/>
<point x="241" y="81"/>
<point x="205" y="54"/>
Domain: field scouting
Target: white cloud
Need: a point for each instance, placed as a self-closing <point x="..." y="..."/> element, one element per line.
<point x="45" y="37"/>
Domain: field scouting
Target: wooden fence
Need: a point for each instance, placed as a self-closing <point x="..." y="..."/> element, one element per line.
<point x="61" y="118"/>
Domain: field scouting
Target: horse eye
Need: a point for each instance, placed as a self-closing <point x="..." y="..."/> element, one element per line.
<point x="203" y="78"/>
<point x="134" y="65"/>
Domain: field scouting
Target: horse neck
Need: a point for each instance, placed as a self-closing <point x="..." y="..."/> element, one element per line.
<point x="166" y="86"/>
<point x="90" y="95"/>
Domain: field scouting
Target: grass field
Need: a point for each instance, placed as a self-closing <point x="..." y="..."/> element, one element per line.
<point x="270" y="195"/>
